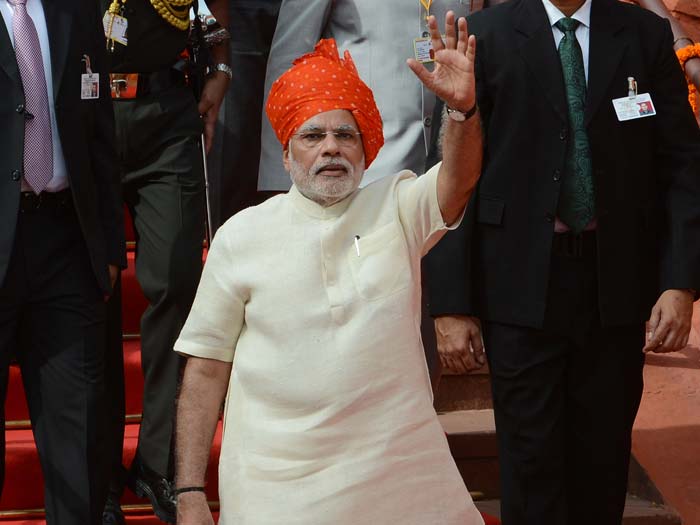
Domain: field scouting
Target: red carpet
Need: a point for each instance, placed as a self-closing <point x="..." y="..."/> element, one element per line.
<point x="23" y="479"/>
<point x="131" y="519"/>
<point x="16" y="407"/>
<point x="137" y="519"/>
<point x="134" y="302"/>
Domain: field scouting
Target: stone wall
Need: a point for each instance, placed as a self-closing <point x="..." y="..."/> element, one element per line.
<point x="688" y="13"/>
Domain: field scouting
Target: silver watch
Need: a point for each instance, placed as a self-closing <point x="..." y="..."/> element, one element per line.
<point x="460" y="116"/>
<point x="224" y="68"/>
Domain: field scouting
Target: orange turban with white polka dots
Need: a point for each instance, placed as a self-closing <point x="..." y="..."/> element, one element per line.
<point x="318" y="82"/>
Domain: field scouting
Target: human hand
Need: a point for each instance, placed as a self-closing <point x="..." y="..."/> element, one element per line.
<point x="192" y="509"/>
<point x="213" y="94"/>
<point x="459" y="343"/>
<point x="113" y="274"/>
<point x="452" y="80"/>
<point x="669" y="324"/>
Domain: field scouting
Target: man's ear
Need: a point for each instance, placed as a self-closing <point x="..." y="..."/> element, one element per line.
<point x="286" y="159"/>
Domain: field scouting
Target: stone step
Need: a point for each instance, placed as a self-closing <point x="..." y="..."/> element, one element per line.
<point x="471" y="435"/>
<point x="637" y="512"/>
<point x="470" y="391"/>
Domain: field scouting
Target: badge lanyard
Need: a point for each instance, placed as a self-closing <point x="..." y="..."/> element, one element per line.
<point x="115" y="24"/>
<point x="426" y="5"/>
<point x="423" y="45"/>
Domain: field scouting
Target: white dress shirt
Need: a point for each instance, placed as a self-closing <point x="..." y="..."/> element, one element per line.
<point x="36" y="12"/>
<point x="583" y="31"/>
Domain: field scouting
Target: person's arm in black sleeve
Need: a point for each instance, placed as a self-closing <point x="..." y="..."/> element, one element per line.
<point x="104" y="161"/>
<point x="448" y="267"/>
<point x="678" y="161"/>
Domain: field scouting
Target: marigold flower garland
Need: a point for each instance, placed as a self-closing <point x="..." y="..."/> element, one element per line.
<point x="684" y="54"/>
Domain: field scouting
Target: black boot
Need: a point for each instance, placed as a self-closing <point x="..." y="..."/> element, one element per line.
<point x="146" y="483"/>
<point x="112" y="513"/>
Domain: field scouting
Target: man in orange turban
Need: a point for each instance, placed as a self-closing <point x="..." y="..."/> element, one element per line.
<point x="322" y="81"/>
<point x="317" y="295"/>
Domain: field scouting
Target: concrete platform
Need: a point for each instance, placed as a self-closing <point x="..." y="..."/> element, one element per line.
<point x="637" y="512"/>
<point x="472" y="438"/>
<point x="470" y="391"/>
<point x="666" y="437"/>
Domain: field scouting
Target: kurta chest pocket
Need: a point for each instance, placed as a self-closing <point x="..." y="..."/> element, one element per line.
<point x="382" y="266"/>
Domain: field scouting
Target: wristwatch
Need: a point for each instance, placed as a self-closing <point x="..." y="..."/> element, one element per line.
<point x="458" y="115"/>
<point x="224" y="68"/>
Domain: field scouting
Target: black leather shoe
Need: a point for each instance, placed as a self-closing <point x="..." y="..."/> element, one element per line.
<point x="146" y="483"/>
<point x="112" y="513"/>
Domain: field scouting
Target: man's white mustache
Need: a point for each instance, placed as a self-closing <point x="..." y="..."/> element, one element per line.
<point x="331" y="162"/>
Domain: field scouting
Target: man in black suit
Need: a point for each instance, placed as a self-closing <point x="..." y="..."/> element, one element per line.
<point x="61" y="239"/>
<point x="584" y="226"/>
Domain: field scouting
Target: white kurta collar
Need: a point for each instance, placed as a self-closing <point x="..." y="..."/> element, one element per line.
<point x="313" y="209"/>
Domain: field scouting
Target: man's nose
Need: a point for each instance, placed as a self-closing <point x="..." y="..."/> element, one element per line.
<point x="330" y="145"/>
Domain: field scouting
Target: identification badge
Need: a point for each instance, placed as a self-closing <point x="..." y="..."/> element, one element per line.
<point x="115" y="27"/>
<point x="89" y="86"/>
<point x="423" y="50"/>
<point x="634" y="107"/>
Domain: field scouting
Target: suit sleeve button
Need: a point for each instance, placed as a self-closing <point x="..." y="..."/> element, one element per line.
<point x="557" y="175"/>
<point x="16" y="175"/>
<point x="20" y="108"/>
<point x="549" y="217"/>
<point x="562" y="134"/>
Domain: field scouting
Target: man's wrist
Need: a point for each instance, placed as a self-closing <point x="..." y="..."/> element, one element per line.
<point x="189" y="488"/>
<point x="222" y="68"/>
<point x="460" y="116"/>
<point x="690" y="291"/>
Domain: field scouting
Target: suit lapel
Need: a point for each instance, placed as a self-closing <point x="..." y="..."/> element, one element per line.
<point x="605" y="52"/>
<point x="8" y="61"/>
<point x="539" y="52"/>
<point x="58" y="24"/>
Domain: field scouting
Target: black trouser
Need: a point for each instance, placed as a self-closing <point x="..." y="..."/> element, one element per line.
<point x="52" y="320"/>
<point x="565" y="399"/>
<point x="236" y="152"/>
<point x="163" y="187"/>
<point x="115" y="391"/>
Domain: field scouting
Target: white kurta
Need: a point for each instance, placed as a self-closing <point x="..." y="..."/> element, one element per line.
<point x="329" y="417"/>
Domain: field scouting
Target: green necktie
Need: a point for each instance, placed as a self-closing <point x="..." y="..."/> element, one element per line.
<point x="576" y="199"/>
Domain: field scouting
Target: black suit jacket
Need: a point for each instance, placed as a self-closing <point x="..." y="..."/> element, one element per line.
<point x="646" y="171"/>
<point x="85" y="127"/>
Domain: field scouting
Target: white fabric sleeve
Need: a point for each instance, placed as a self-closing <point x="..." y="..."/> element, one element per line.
<point x="217" y="315"/>
<point x="419" y="211"/>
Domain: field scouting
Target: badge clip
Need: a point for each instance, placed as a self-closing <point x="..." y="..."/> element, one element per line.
<point x="124" y="85"/>
<point x="88" y="68"/>
<point x="635" y="105"/>
<point x="89" y="81"/>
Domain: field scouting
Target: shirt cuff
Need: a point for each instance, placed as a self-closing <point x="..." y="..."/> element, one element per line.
<point x="193" y="350"/>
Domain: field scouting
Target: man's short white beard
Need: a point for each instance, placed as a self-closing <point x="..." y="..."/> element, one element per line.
<point x="325" y="191"/>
